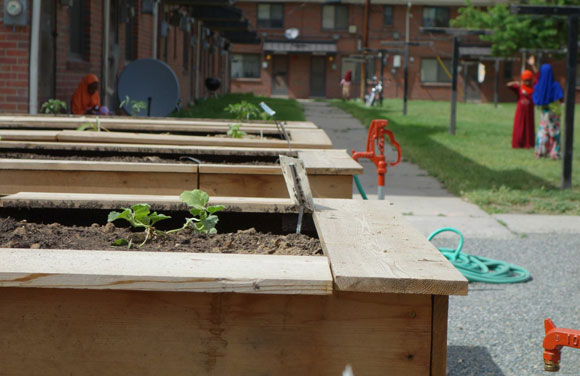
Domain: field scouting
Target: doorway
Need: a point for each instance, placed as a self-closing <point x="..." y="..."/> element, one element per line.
<point x="280" y="75"/>
<point x="472" y="86"/>
<point x="318" y="76"/>
<point x="47" y="52"/>
<point x="110" y="90"/>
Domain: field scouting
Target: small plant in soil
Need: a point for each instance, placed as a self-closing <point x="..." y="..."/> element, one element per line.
<point x="92" y="127"/>
<point x="53" y="106"/>
<point x="235" y="131"/>
<point x="135" y="106"/>
<point x="138" y="216"/>
<point x="204" y="219"/>
<point x="243" y="110"/>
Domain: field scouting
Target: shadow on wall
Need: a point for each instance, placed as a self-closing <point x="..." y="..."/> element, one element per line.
<point x="471" y="361"/>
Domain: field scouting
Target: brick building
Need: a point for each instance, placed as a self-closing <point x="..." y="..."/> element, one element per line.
<point x="331" y="40"/>
<point x="101" y="37"/>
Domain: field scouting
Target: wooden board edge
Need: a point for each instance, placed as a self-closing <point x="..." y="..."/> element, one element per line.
<point x="152" y="271"/>
<point x="399" y="285"/>
<point x="439" y="314"/>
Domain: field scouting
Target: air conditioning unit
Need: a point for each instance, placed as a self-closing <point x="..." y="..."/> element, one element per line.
<point x="352" y="29"/>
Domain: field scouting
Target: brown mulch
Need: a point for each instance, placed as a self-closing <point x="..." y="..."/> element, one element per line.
<point x="21" y="234"/>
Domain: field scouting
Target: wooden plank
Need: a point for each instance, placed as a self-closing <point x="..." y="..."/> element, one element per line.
<point x="372" y="248"/>
<point x="165" y="271"/>
<point x="310" y="136"/>
<point x="75" y="332"/>
<point x="11" y="135"/>
<point x="439" y="335"/>
<point x="157" y="202"/>
<point x="75" y="121"/>
<point x="331" y="162"/>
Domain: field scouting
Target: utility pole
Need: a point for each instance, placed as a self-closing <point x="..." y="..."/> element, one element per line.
<point x="456" y="34"/>
<point x="571" y="64"/>
<point x="406" y="68"/>
<point x="365" y="44"/>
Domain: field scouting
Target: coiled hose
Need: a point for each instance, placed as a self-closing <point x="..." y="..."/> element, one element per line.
<point x="478" y="268"/>
<point x="474" y="268"/>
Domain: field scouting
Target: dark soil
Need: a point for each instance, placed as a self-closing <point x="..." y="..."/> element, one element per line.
<point x="128" y="158"/>
<point x="21" y="234"/>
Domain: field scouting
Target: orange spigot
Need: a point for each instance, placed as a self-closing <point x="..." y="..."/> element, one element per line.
<point x="555" y="339"/>
<point x="376" y="134"/>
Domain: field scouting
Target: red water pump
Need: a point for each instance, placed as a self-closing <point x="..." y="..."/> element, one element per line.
<point x="555" y="339"/>
<point x="376" y="134"/>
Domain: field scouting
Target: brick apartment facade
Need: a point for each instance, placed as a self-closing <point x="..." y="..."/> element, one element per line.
<point x="330" y="42"/>
<point x="72" y="44"/>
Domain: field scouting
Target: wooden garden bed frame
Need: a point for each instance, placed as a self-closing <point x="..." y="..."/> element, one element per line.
<point x="377" y="300"/>
<point x="111" y="122"/>
<point x="330" y="172"/>
<point x="299" y="138"/>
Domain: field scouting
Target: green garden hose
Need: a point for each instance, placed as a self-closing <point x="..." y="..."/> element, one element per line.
<point x="481" y="269"/>
<point x="360" y="188"/>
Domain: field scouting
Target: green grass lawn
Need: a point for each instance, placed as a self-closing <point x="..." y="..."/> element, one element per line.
<point x="478" y="163"/>
<point x="213" y="108"/>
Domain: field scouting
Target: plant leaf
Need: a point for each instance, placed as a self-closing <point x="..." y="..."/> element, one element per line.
<point x="141" y="213"/>
<point x="125" y="214"/>
<point x="157" y="217"/>
<point x="196" y="198"/>
<point x="215" y="208"/>
<point x="120" y="242"/>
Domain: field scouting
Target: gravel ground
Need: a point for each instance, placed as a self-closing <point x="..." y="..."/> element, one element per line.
<point x="498" y="329"/>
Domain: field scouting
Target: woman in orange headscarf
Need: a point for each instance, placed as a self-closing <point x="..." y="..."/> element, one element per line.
<point x="86" y="99"/>
<point x="523" y="135"/>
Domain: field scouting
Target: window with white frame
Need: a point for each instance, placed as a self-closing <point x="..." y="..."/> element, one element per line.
<point x="433" y="72"/>
<point x="435" y="17"/>
<point x="334" y="17"/>
<point x="246" y="66"/>
<point x="270" y="16"/>
<point x="388" y="15"/>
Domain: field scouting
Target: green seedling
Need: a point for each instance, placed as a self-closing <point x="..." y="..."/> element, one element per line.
<point x="204" y="219"/>
<point x="136" y="106"/>
<point x="139" y="216"/>
<point x="53" y="106"/>
<point x="235" y="131"/>
<point x="92" y="127"/>
<point x="243" y="110"/>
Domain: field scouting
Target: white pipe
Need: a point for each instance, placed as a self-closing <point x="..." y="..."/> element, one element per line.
<point x="155" y="27"/>
<point x="106" y="49"/>
<point x="34" y="49"/>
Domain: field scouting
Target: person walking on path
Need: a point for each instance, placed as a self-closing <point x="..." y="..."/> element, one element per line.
<point x="345" y="83"/>
<point x="547" y="95"/>
<point x="524" y="123"/>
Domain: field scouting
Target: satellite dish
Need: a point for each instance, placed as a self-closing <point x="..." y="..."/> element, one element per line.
<point x="292" y="33"/>
<point x="151" y="81"/>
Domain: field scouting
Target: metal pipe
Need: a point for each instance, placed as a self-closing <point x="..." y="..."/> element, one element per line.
<point x="496" y="83"/>
<point x="155" y="28"/>
<point x="454" y="85"/>
<point x="571" y="65"/>
<point x="197" y="59"/>
<point x="365" y="44"/>
<point x="406" y="68"/>
<point x="106" y="50"/>
<point x="34" y="52"/>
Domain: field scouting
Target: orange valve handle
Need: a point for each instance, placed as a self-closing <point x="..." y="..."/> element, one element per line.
<point x="376" y="135"/>
<point x="555" y="339"/>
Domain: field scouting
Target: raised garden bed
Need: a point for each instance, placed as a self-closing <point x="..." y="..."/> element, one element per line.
<point x="224" y="171"/>
<point x="376" y="300"/>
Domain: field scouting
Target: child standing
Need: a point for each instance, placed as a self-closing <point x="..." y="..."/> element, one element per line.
<point x="547" y="95"/>
<point x="523" y="132"/>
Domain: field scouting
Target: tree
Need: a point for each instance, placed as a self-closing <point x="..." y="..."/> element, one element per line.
<point x="514" y="32"/>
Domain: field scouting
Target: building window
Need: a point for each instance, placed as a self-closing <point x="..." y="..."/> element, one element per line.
<point x="246" y="66"/>
<point x="388" y="15"/>
<point x="435" y="17"/>
<point x="78" y="29"/>
<point x="508" y="69"/>
<point x="433" y="72"/>
<point x="335" y="17"/>
<point x="271" y="16"/>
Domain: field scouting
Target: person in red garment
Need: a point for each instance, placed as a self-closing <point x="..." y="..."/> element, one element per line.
<point x="523" y="135"/>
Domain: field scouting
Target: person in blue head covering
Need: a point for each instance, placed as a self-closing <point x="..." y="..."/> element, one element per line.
<point x="547" y="97"/>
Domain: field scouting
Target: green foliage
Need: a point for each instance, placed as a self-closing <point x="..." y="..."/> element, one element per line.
<point x="513" y="32"/>
<point x="53" y="106"/>
<point x="135" y="106"/>
<point x="243" y="110"/>
<point x="235" y="132"/>
<point x="214" y="108"/>
<point x="204" y="219"/>
<point x="92" y="127"/>
<point x="138" y="216"/>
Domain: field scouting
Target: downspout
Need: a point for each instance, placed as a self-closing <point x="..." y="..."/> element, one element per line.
<point x="34" y="49"/>
<point x="365" y="44"/>
<point x="106" y="50"/>
<point x="155" y="28"/>
<point x="197" y="59"/>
